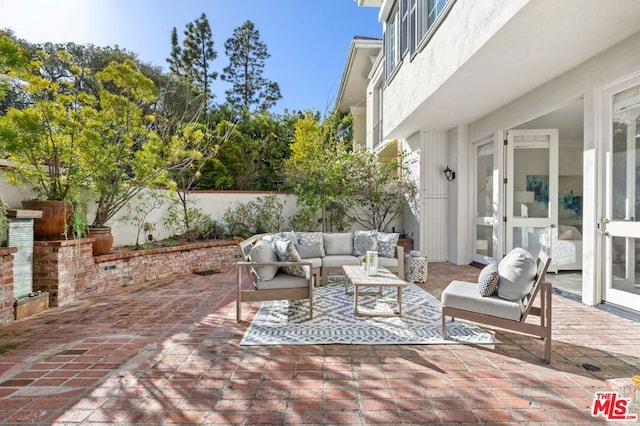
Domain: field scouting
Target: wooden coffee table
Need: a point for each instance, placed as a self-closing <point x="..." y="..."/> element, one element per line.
<point x="356" y="276"/>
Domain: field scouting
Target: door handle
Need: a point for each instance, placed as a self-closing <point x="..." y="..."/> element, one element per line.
<point x="553" y="225"/>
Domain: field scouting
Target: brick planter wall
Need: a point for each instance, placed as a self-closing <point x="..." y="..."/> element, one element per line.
<point x="6" y="285"/>
<point x="69" y="271"/>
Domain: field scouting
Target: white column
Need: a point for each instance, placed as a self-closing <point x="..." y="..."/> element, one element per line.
<point x="592" y="249"/>
<point x="458" y="206"/>
<point x="435" y="196"/>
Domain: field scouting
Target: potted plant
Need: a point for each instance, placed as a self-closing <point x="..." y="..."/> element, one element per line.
<point x="44" y="142"/>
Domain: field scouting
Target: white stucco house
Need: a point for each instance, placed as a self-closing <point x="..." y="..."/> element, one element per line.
<point x="535" y="105"/>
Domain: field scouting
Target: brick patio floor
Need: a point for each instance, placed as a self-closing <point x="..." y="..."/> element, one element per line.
<point x="168" y="352"/>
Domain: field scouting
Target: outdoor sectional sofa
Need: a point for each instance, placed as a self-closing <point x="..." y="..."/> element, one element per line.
<point x="286" y="265"/>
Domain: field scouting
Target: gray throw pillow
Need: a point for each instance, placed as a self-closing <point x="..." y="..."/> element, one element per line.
<point x="286" y="252"/>
<point x="387" y="242"/>
<point x="364" y="241"/>
<point x="488" y="280"/>
<point x="517" y="273"/>
<point x="311" y="240"/>
<point x="309" y="252"/>
<point x="262" y="252"/>
<point x="337" y="243"/>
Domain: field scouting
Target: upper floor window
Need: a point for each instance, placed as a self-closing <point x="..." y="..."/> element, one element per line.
<point x="407" y="26"/>
<point x="404" y="26"/>
<point x="391" y="43"/>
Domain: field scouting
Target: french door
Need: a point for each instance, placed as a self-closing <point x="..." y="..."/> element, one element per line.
<point x="531" y="190"/>
<point x="620" y="226"/>
<point x="485" y="241"/>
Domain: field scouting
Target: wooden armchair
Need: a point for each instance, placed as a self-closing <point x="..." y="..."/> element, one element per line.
<point x="463" y="300"/>
<point x="281" y="287"/>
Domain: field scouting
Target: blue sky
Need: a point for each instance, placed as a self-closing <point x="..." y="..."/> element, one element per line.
<point x="308" y="39"/>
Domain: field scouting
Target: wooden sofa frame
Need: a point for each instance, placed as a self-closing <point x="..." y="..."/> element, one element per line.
<point x="254" y="294"/>
<point x="541" y="330"/>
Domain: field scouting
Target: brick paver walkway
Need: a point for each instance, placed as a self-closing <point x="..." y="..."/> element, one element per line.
<point x="168" y="352"/>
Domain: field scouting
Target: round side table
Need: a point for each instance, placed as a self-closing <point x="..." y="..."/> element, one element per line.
<point x="416" y="268"/>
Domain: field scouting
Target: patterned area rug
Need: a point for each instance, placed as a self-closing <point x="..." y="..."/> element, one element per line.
<point x="287" y="322"/>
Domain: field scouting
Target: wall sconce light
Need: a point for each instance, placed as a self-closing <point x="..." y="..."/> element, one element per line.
<point x="449" y="174"/>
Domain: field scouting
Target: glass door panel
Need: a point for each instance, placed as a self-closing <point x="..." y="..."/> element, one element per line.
<point x="532" y="239"/>
<point x="485" y="203"/>
<point x="622" y="221"/>
<point x="532" y="190"/>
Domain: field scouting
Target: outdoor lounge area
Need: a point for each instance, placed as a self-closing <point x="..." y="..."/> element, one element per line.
<point x="168" y="351"/>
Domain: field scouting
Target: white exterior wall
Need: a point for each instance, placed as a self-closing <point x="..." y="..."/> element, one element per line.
<point x="464" y="31"/>
<point x="613" y="65"/>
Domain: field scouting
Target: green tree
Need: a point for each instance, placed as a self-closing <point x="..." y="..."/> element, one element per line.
<point x="193" y="60"/>
<point x="247" y="55"/>
<point x="45" y="140"/>
<point x="345" y="185"/>
<point x="374" y="192"/>
<point x="128" y="155"/>
<point x="13" y="59"/>
<point x="312" y="170"/>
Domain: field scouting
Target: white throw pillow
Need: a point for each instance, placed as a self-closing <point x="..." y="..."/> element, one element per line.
<point x="262" y="252"/>
<point x="517" y="273"/>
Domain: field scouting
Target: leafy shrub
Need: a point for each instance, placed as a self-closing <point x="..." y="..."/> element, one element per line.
<point x="305" y="219"/>
<point x="255" y="217"/>
<point x="193" y="226"/>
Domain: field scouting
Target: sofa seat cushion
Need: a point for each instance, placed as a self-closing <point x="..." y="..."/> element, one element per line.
<point x="464" y="295"/>
<point x="316" y="262"/>
<point x="388" y="262"/>
<point x="283" y="280"/>
<point x="338" y="243"/>
<point x="337" y="261"/>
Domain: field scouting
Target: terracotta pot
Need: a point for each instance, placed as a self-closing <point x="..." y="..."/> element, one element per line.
<point x="103" y="240"/>
<point x="56" y="216"/>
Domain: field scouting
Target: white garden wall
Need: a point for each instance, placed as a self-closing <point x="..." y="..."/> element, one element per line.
<point x="214" y="203"/>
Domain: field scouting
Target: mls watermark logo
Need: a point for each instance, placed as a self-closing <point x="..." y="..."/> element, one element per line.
<point x="612" y="406"/>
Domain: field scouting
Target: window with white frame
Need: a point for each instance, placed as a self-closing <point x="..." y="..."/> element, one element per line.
<point x="391" y="43"/>
<point x="404" y="27"/>
<point x="407" y="26"/>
